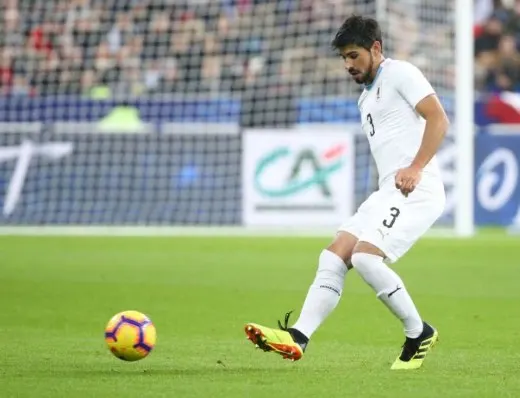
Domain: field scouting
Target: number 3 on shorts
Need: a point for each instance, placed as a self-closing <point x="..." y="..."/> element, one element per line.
<point x="394" y="213"/>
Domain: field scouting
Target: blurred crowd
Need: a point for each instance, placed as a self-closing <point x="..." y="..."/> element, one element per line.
<point x="497" y="45"/>
<point x="161" y="46"/>
<point x="137" y="47"/>
<point x="147" y="47"/>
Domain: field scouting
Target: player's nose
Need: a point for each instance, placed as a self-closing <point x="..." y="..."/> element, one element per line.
<point x="349" y="67"/>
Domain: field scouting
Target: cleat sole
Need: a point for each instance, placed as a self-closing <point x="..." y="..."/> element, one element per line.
<point x="256" y="336"/>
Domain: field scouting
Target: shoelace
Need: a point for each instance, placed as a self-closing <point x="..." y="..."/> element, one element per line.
<point x="410" y="347"/>
<point x="286" y="322"/>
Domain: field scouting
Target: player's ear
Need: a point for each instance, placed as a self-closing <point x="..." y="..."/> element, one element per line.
<point x="376" y="48"/>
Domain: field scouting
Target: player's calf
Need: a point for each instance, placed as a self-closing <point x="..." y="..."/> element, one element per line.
<point x="324" y="294"/>
<point x="390" y="290"/>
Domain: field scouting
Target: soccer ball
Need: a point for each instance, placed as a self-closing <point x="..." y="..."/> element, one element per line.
<point x="130" y="335"/>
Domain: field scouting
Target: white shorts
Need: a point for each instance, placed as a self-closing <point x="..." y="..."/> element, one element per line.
<point x="392" y="222"/>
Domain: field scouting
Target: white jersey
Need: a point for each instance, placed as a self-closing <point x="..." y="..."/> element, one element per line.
<point x="393" y="127"/>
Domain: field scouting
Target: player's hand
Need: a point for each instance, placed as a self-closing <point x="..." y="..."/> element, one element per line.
<point x="407" y="179"/>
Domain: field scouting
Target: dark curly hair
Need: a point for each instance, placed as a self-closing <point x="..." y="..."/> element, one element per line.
<point x="358" y="31"/>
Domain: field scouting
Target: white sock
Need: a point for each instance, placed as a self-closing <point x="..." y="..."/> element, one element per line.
<point x="390" y="290"/>
<point x="324" y="294"/>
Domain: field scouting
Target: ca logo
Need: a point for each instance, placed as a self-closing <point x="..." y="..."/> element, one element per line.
<point x="322" y="166"/>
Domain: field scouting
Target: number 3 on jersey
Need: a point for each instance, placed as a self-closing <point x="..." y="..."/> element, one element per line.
<point x="372" y="129"/>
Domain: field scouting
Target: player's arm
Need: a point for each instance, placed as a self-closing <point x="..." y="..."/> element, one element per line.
<point x="437" y="123"/>
<point x="418" y="92"/>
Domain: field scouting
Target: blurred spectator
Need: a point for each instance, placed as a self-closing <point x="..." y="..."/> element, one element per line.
<point x="497" y="44"/>
<point x="512" y="24"/>
<point x="20" y="87"/>
<point x="6" y="71"/>
<point x="485" y="9"/>
<point x="121" y="33"/>
<point x="507" y="73"/>
<point x="486" y="48"/>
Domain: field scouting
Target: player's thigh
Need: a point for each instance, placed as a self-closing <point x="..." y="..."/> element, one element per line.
<point x="399" y="222"/>
<point x="350" y="231"/>
<point x="356" y="224"/>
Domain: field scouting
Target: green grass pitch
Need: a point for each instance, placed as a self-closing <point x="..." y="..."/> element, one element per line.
<point x="57" y="294"/>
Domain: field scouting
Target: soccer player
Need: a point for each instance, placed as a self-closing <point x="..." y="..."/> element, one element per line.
<point x="405" y="124"/>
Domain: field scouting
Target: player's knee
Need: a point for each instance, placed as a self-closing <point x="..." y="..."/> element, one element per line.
<point x="341" y="254"/>
<point x="368" y="248"/>
<point x="342" y="247"/>
<point x="367" y="266"/>
<point x="330" y="264"/>
<point x="362" y="260"/>
<point x="358" y="260"/>
<point x="331" y="272"/>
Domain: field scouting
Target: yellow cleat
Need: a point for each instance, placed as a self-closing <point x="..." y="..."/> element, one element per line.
<point x="415" y="350"/>
<point x="279" y="341"/>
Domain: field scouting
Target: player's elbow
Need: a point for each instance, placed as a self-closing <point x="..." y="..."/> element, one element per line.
<point x="441" y="122"/>
<point x="444" y="124"/>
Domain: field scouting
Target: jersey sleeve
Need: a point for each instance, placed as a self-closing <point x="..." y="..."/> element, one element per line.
<point x="412" y="84"/>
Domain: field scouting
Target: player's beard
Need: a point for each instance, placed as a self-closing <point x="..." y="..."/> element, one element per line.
<point x="367" y="76"/>
<point x="363" y="78"/>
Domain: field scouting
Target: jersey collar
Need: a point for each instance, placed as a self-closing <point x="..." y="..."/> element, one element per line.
<point x="379" y="69"/>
